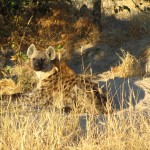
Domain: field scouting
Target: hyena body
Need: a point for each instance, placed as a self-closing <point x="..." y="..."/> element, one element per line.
<point x="61" y="87"/>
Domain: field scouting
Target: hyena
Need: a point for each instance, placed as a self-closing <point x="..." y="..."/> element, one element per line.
<point x="59" y="86"/>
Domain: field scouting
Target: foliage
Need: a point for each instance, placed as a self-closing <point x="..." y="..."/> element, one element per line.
<point x="146" y="9"/>
<point x="23" y="22"/>
<point x="121" y="8"/>
<point x="19" y="56"/>
<point x="9" y="7"/>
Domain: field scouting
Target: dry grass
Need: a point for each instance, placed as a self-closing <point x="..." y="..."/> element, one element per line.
<point x="130" y="66"/>
<point x="67" y="30"/>
<point x="61" y="27"/>
<point x="25" y="127"/>
<point x="42" y="129"/>
<point x="21" y="80"/>
<point x="24" y="77"/>
<point x="7" y="86"/>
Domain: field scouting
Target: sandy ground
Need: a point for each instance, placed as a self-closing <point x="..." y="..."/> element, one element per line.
<point x="120" y="91"/>
<point x="128" y="92"/>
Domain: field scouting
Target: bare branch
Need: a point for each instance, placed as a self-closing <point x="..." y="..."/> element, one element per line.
<point x="137" y="6"/>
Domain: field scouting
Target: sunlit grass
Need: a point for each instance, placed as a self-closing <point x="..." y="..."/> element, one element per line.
<point x="22" y="127"/>
<point x="28" y="128"/>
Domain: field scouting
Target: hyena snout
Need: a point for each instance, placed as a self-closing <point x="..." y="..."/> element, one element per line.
<point x="38" y="64"/>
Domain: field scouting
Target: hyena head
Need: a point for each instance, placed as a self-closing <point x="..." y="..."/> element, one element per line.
<point x="40" y="60"/>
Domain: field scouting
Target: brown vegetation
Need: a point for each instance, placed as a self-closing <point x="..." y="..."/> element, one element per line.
<point x="23" y="127"/>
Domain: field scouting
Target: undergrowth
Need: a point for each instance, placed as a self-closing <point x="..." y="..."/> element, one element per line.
<point x="130" y="66"/>
<point x="22" y="128"/>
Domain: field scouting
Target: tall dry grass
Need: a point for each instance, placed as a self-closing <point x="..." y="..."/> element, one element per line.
<point x="130" y="66"/>
<point x="30" y="128"/>
<point x="24" y="128"/>
<point x="27" y="128"/>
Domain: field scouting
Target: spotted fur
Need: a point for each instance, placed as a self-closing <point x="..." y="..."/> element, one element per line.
<point x="61" y="87"/>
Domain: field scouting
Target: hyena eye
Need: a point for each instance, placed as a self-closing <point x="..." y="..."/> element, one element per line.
<point x="33" y="59"/>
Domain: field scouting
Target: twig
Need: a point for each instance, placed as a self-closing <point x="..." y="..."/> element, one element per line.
<point x="22" y="38"/>
<point x="137" y="6"/>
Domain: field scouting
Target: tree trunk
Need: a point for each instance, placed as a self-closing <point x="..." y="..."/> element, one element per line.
<point x="97" y="13"/>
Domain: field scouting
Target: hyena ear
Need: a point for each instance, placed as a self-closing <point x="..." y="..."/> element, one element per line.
<point x="31" y="50"/>
<point x="51" y="52"/>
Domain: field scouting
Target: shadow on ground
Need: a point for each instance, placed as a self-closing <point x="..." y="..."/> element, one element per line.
<point x="124" y="92"/>
<point x="116" y="34"/>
